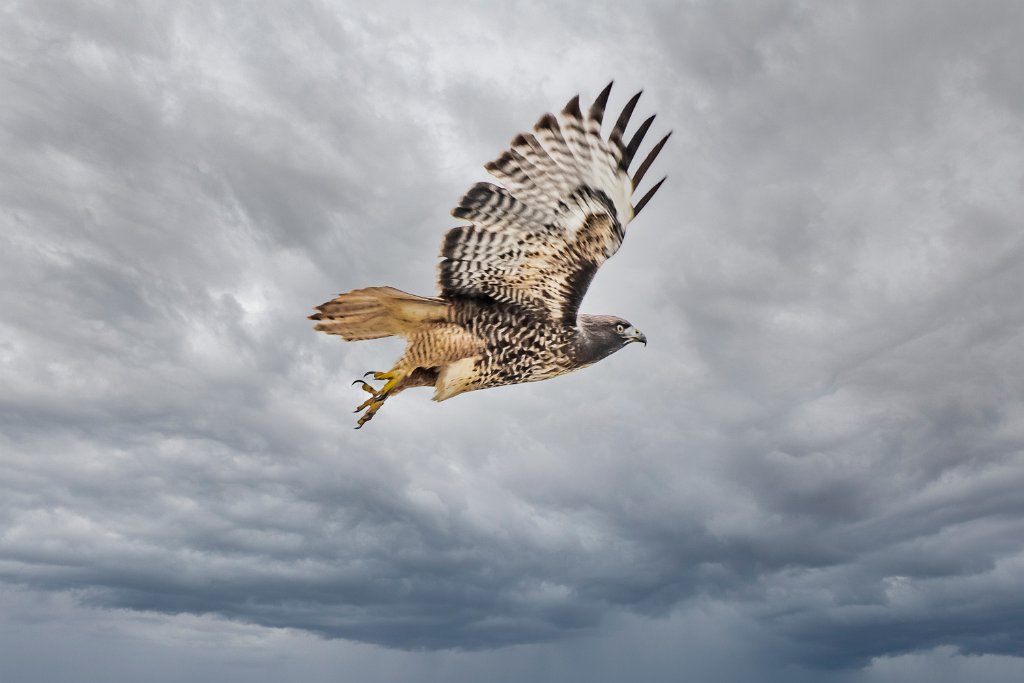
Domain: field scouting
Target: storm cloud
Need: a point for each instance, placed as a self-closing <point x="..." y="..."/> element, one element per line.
<point x="817" y="462"/>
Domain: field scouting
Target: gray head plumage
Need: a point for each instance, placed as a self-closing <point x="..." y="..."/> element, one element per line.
<point x="603" y="335"/>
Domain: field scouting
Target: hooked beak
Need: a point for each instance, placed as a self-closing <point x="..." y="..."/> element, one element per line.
<point x="636" y="336"/>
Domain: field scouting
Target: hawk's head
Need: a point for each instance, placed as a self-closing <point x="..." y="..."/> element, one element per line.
<point x="603" y="335"/>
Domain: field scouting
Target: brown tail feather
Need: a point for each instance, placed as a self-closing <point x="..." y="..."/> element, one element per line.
<point x="376" y="312"/>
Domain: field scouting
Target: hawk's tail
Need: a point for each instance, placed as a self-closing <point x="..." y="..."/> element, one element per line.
<point x="377" y="312"/>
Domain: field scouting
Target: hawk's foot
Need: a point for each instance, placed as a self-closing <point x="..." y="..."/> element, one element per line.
<point x="377" y="396"/>
<point x="372" y="405"/>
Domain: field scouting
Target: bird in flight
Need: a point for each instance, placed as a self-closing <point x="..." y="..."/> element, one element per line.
<point x="511" y="281"/>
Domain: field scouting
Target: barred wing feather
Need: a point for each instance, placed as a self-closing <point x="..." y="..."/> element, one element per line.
<point x="537" y="239"/>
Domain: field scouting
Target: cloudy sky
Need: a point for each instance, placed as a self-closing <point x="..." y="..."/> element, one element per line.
<point x="813" y="472"/>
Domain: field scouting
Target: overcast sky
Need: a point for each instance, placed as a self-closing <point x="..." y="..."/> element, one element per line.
<point x="813" y="472"/>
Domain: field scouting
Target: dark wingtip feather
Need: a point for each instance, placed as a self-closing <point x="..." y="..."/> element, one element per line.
<point x="572" y="108"/>
<point x="634" y="144"/>
<point x="451" y="240"/>
<point x="651" y="156"/>
<point x="623" y="120"/>
<point x="500" y="164"/>
<point x="480" y="189"/>
<point x="529" y="139"/>
<point x="548" y="122"/>
<point x="596" y="112"/>
<point x="647" y="197"/>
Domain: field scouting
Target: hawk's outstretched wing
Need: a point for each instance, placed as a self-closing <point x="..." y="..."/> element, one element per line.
<point x="537" y="240"/>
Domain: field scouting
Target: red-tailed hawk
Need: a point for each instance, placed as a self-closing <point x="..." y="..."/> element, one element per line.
<point x="511" y="281"/>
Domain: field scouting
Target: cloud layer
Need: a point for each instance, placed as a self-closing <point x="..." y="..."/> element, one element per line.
<point x="821" y="447"/>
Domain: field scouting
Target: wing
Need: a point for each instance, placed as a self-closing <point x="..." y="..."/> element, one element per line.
<point x="538" y="239"/>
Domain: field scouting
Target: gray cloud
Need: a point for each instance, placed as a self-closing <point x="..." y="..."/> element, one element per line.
<point x="819" y="454"/>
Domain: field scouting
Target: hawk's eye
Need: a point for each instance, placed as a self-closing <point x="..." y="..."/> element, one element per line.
<point x="619" y="328"/>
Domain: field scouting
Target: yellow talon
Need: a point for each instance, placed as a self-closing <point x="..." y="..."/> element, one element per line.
<point x="365" y="386"/>
<point x="377" y="396"/>
<point x="386" y="389"/>
<point x="371" y="411"/>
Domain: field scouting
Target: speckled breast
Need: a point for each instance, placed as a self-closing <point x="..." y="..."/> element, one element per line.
<point x="520" y="347"/>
